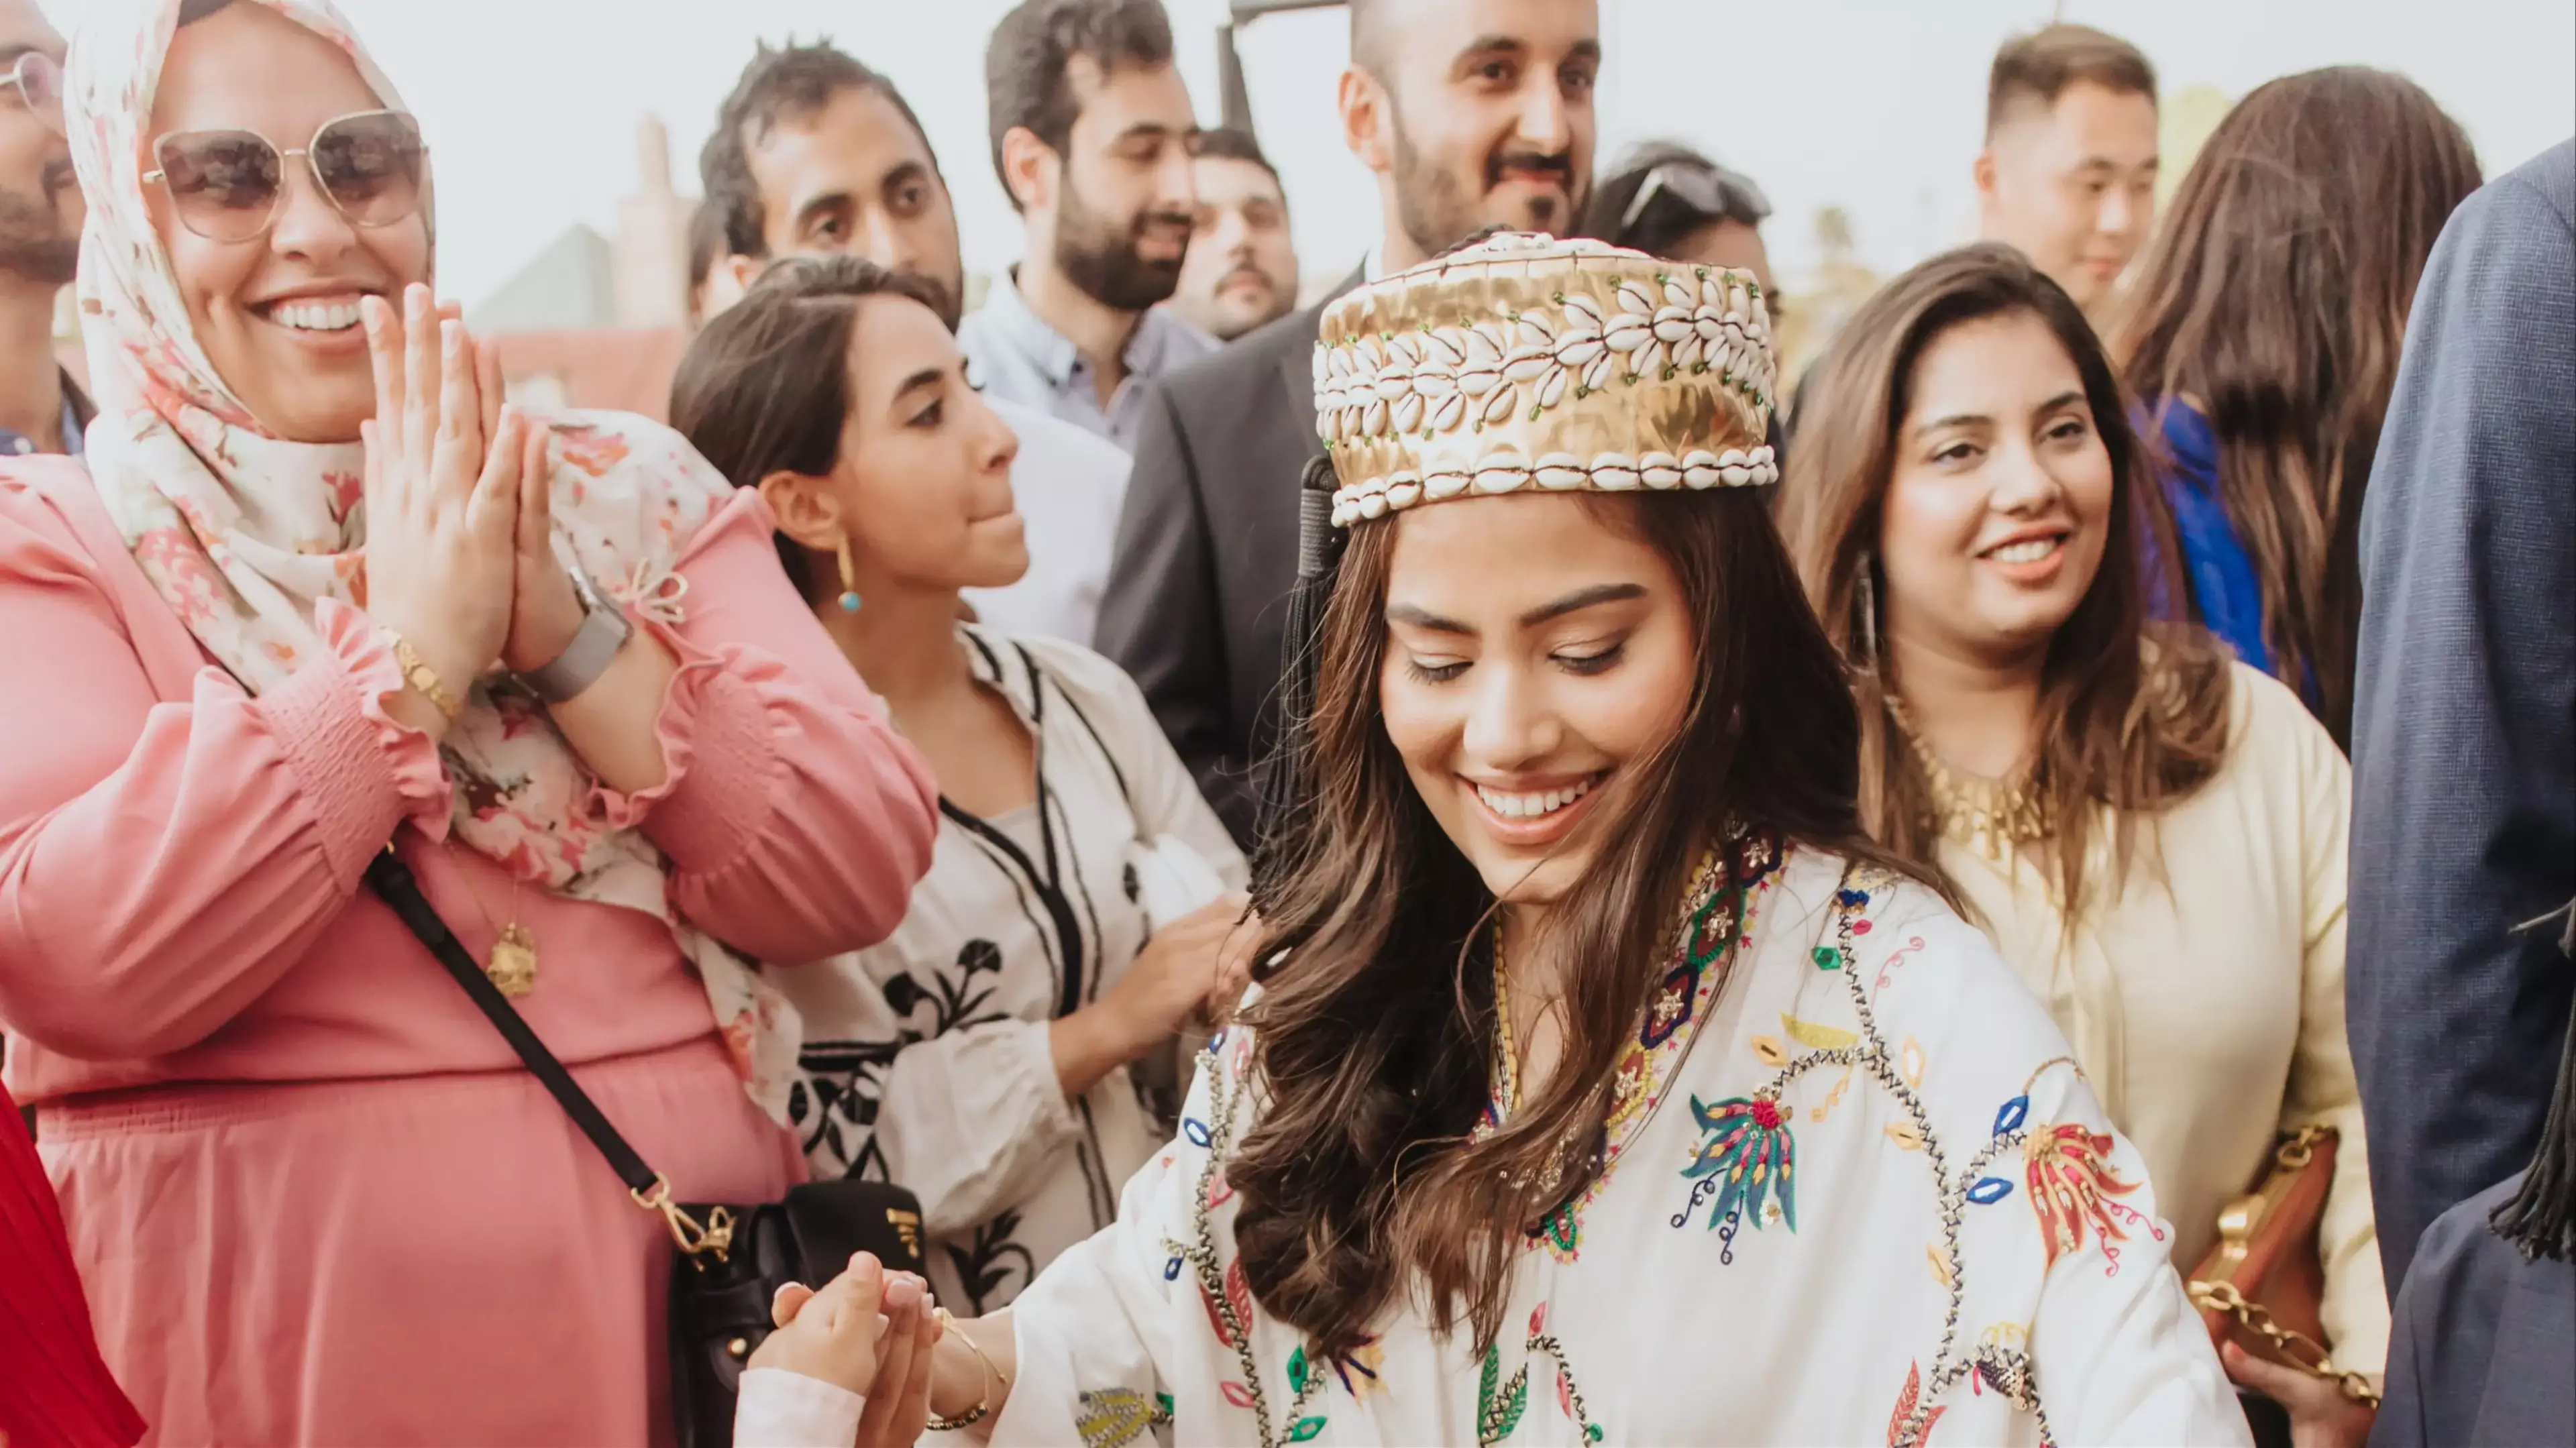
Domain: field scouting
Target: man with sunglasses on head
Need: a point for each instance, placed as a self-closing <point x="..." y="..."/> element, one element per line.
<point x="1668" y="200"/>
<point x="41" y="410"/>
<point x="815" y="154"/>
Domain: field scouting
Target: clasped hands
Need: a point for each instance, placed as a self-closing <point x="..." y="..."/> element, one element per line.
<point x="869" y="1332"/>
<point x="460" y="559"/>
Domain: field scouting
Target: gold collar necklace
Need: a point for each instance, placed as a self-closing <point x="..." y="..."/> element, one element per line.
<point x="1990" y="816"/>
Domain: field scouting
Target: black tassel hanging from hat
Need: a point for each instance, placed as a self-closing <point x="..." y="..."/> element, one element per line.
<point x="1287" y="785"/>
<point x="2540" y="1217"/>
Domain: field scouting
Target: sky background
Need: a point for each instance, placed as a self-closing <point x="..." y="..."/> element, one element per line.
<point x="531" y="106"/>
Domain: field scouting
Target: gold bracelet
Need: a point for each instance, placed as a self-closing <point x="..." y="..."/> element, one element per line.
<point x="984" y="1399"/>
<point x="423" y="678"/>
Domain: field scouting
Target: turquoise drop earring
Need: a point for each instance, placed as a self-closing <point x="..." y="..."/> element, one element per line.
<point x="849" y="579"/>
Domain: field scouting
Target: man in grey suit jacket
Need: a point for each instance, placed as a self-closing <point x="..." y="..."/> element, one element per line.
<point x="2464" y="722"/>
<point x="1473" y="114"/>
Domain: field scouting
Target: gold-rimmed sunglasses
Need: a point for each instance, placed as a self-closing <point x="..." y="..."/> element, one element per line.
<point x="39" y="81"/>
<point x="229" y="185"/>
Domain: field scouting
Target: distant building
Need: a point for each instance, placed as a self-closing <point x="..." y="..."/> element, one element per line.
<point x="594" y="321"/>
<point x="568" y="287"/>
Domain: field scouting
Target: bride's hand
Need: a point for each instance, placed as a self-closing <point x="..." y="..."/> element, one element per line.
<point x="899" y="1410"/>
<point x="836" y="1335"/>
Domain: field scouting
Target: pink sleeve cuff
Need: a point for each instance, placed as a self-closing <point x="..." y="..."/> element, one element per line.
<point x="718" y="758"/>
<point x="362" y="771"/>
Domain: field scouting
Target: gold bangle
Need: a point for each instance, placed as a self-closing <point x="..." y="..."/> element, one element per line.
<point x="984" y="1398"/>
<point x="422" y="678"/>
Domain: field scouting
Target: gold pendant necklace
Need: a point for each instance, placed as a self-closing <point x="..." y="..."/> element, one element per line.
<point x="512" y="965"/>
<point x="513" y="962"/>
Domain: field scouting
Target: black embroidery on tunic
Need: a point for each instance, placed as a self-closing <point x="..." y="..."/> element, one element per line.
<point x="987" y="1262"/>
<point x="836" y="1104"/>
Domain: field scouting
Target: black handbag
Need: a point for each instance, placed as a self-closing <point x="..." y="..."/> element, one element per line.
<point x="732" y="1257"/>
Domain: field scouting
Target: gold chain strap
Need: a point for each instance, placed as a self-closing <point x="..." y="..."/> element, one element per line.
<point x="2298" y="1347"/>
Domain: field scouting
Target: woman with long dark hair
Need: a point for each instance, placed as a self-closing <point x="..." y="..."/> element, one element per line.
<point x="2153" y="835"/>
<point x="2262" y="333"/>
<point x="1606" y="1083"/>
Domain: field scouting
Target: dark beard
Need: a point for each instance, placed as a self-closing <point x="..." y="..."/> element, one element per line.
<point x="1436" y="212"/>
<point x="33" y="243"/>
<point x="1098" y="255"/>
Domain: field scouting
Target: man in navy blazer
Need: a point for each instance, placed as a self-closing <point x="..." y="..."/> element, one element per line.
<point x="2464" y="724"/>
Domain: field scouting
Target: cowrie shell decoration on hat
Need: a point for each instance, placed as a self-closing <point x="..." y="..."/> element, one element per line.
<point x="1524" y="361"/>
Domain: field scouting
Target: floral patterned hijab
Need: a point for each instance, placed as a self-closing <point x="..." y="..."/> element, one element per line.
<point x="243" y="532"/>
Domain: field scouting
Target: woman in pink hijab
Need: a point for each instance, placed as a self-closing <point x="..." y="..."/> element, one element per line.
<point x="317" y="594"/>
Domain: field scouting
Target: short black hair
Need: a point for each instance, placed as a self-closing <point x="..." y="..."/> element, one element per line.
<point x="1667" y="217"/>
<point x="1025" y="85"/>
<point x="782" y="83"/>
<point x="2041" y="65"/>
<point x="765" y="387"/>
<point x="1231" y="143"/>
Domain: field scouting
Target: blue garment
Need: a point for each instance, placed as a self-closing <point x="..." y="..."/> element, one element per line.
<point x="17" y="444"/>
<point x="2216" y="567"/>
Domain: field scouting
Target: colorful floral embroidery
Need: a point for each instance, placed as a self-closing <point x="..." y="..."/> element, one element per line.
<point x="1499" y="1404"/>
<point x="1223" y="1289"/>
<point x="1716" y="930"/>
<point x="1748" y="1151"/>
<point x="1903" y="1418"/>
<point x="1116" y="1417"/>
<point x="2072" y="1184"/>
<point x="1359" y="1368"/>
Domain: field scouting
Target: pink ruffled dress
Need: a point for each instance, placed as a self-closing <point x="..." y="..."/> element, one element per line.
<point x="313" y="1196"/>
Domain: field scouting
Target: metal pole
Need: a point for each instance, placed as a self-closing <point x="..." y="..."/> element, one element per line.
<point x="1234" y="98"/>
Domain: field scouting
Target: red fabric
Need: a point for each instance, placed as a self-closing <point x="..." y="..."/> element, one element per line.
<point x="54" y="1390"/>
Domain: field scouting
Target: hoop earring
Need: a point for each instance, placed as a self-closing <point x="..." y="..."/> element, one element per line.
<point x="849" y="578"/>
<point x="1865" y="604"/>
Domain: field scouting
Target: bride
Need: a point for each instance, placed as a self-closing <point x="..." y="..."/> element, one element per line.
<point x="1604" y="1084"/>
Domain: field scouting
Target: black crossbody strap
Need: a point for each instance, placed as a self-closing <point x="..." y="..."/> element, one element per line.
<point x="394" y="883"/>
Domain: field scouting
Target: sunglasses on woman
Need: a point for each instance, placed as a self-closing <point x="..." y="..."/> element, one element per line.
<point x="229" y="185"/>
<point x="40" y="87"/>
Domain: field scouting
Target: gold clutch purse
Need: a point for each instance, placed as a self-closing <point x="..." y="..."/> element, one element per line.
<point x="2264" y="1283"/>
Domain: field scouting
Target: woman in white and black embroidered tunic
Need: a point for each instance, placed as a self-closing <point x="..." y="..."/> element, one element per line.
<point x="998" y="1053"/>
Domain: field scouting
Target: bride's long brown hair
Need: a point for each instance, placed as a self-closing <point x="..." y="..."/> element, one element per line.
<point x="1358" y="1182"/>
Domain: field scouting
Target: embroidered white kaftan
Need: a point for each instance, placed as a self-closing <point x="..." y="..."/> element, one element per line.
<point x="1855" y="1191"/>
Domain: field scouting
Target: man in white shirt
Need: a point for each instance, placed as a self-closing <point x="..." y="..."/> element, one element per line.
<point x="813" y="154"/>
<point x="1091" y="129"/>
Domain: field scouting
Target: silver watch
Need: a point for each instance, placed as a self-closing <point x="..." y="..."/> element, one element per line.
<point x="603" y="631"/>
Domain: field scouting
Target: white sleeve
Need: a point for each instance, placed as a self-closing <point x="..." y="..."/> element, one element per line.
<point x="967" y="1120"/>
<point x="1095" y="1332"/>
<point x="2119" y="1356"/>
<point x="780" y="1409"/>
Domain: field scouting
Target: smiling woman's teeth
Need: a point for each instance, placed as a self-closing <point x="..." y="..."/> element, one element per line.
<point x="2030" y="551"/>
<point x="1531" y="806"/>
<point x="316" y="316"/>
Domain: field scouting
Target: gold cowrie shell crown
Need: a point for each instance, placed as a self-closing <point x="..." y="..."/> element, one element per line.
<point x="1524" y="361"/>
